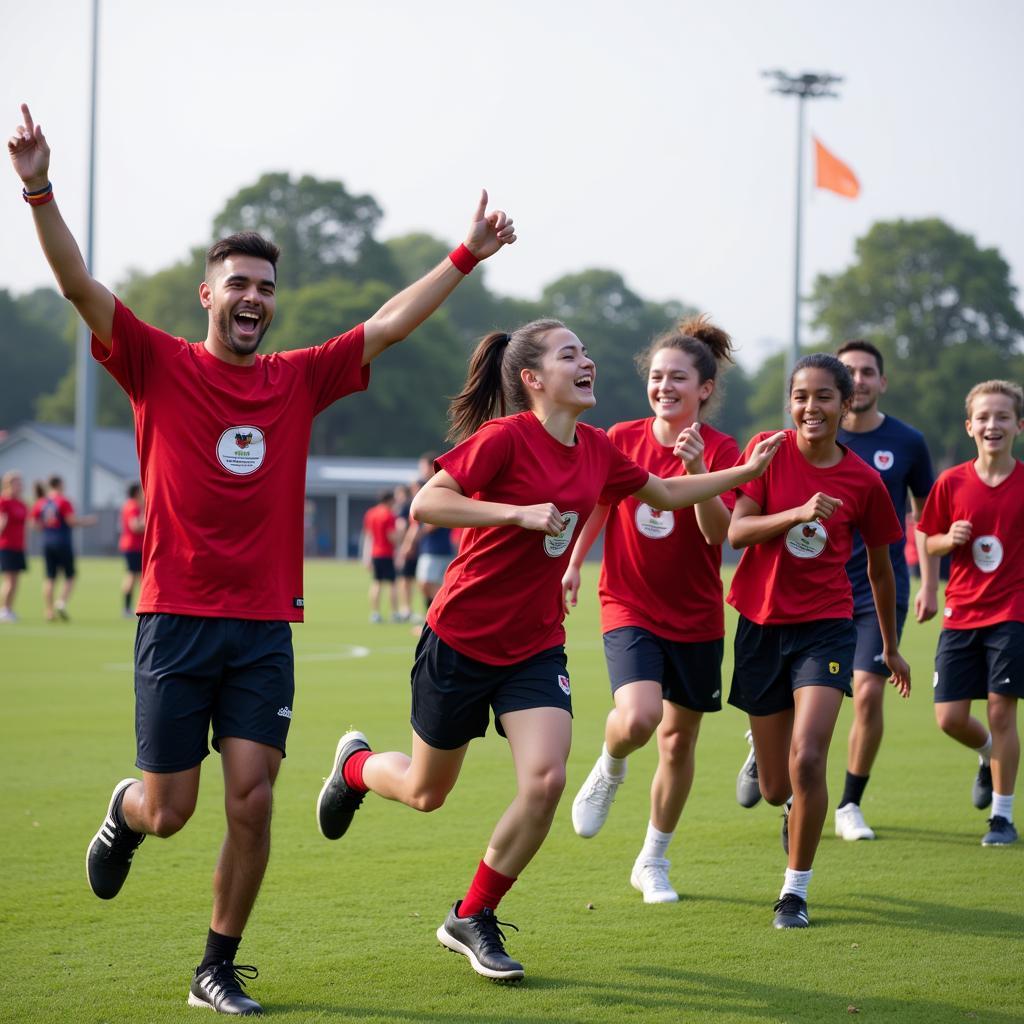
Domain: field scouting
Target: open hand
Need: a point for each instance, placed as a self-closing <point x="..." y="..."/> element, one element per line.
<point x="570" y="588"/>
<point x="29" y="152"/>
<point x="900" y="670"/>
<point x="489" y="231"/>
<point x="763" y="453"/>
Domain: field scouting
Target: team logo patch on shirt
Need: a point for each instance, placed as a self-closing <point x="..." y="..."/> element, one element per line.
<point x="555" y="546"/>
<point x="806" y="540"/>
<point x="987" y="552"/>
<point x="241" y="450"/>
<point x="883" y="460"/>
<point x="563" y="684"/>
<point x="653" y="522"/>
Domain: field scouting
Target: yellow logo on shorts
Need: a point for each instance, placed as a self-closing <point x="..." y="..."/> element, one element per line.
<point x="833" y="667"/>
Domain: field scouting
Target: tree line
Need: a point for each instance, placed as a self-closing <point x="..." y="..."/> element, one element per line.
<point x="942" y="310"/>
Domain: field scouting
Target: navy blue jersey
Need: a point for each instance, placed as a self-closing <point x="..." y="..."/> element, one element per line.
<point x="436" y="542"/>
<point x="900" y="455"/>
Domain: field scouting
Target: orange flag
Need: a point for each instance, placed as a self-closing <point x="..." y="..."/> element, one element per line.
<point x="833" y="174"/>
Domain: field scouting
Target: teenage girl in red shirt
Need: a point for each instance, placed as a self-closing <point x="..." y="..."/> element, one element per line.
<point x="796" y="639"/>
<point x="663" y="628"/>
<point x="520" y="486"/>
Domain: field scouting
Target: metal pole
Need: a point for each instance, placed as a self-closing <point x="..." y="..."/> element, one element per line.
<point x="794" y="354"/>
<point x="85" y="382"/>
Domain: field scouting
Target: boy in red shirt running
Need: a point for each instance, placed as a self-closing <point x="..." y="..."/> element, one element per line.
<point x="222" y="435"/>
<point x="975" y="513"/>
<point x="380" y="531"/>
<point x="133" y="526"/>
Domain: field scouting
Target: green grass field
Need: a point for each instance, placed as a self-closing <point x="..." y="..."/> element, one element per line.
<point x="922" y="925"/>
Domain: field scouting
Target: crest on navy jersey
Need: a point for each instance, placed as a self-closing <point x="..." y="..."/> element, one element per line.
<point x="883" y="460"/>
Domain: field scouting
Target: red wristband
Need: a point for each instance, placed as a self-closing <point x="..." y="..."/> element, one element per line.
<point x="41" y="200"/>
<point x="463" y="259"/>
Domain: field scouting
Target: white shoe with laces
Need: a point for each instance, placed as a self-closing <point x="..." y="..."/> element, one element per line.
<point x="650" y="877"/>
<point x="850" y="823"/>
<point x="593" y="801"/>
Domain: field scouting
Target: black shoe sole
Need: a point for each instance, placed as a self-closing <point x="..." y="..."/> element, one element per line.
<point x="453" y="945"/>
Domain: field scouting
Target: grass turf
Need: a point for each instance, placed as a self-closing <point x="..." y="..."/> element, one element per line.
<point x="922" y="925"/>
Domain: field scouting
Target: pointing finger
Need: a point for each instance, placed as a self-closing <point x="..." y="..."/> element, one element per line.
<point x="26" y="113"/>
<point x="481" y="207"/>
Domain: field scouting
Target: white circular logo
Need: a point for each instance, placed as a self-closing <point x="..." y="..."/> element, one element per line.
<point x="807" y="540"/>
<point x="654" y="523"/>
<point x="988" y="553"/>
<point x="555" y="546"/>
<point x="241" y="450"/>
<point x="883" y="460"/>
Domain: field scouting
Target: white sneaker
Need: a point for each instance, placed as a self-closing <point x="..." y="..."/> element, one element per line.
<point x="7" y="616"/>
<point x="850" y="823"/>
<point x="593" y="801"/>
<point x="748" y="788"/>
<point x="651" y="878"/>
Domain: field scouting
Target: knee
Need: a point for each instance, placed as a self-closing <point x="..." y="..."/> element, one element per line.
<point x="545" y="789"/>
<point x="950" y="720"/>
<point x="807" y="765"/>
<point x="428" y="800"/>
<point x="639" y="724"/>
<point x="677" y="746"/>
<point x="775" y="793"/>
<point x="251" y="809"/>
<point x="1002" y="717"/>
<point x="166" y="821"/>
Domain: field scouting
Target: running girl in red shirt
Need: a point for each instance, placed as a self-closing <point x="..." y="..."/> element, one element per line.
<point x="133" y="526"/>
<point x="975" y="513"/>
<point x="520" y="486"/>
<point x="663" y="629"/>
<point x="796" y="638"/>
<point x="13" y="515"/>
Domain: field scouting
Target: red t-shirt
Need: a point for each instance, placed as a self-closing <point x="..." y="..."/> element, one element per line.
<point x="501" y="600"/>
<point x="379" y="522"/>
<point x="51" y="514"/>
<point x="12" y="537"/>
<point x="658" y="572"/>
<point x="222" y="450"/>
<point x="800" y="575"/>
<point x="986" y="575"/>
<point x="130" y="540"/>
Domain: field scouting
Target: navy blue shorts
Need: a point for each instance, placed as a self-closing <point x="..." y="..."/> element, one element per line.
<point x="59" y="559"/>
<point x="868" y="656"/>
<point x="384" y="570"/>
<point x="237" y="675"/>
<point x="690" y="673"/>
<point x="773" y="661"/>
<point x="12" y="561"/>
<point x="133" y="561"/>
<point x="408" y="570"/>
<point x="972" y="663"/>
<point x="453" y="695"/>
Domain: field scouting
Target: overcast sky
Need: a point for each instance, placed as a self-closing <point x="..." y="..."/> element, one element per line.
<point x="636" y="136"/>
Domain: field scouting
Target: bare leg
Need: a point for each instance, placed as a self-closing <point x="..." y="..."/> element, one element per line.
<point x="635" y="717"/>
<point x="48" y="598"/>
<point x="955" y="720"/>
<point x="867" y="727"/>
<point x="8" y="589"/>
<point x="772" y="735"/>
<point x="422" y="781"/>
<point x="249" y="773"/>
<point x="162" y="802"/>
<point x="817" y="709"/>
<point x="375" y="597"/>
<point x="1002" y="718"/>
<point x="677" y="744"/>
<point x="540" y="739"/>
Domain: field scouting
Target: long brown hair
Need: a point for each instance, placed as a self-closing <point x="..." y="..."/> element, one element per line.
<point x="493" y="385"/>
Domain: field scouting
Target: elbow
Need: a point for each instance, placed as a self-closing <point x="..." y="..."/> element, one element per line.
<point x="736" y="540"/>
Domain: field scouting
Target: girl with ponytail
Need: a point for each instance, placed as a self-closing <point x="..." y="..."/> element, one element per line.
<point x="663" y="627"/>
<point x="523" y="479"/>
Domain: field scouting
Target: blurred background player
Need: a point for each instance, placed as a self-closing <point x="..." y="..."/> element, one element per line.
<point x="662" y="612"/>
<point x="976" y="514"/>
<point x="405" y="553"/>
<point x="133" y="525"/>
<point x="433" y="544"/>
<point x="521" y="484"/>
<point x="380" y="531"/>
<point x="13" y="520"/>
<point x="796" y="639"/>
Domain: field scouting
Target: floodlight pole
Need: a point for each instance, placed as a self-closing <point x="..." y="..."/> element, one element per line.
<point x="85" y="378"/>
<point x="809" y="85"/>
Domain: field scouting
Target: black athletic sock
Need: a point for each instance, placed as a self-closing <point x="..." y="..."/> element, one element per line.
<point x="118" y="812"/>
<point x="853" y="791"/>
<point x="219" y="948"/>
<point x="128" y="601"/>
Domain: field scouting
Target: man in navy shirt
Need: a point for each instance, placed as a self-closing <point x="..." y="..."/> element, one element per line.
<point x="900" y="455"/>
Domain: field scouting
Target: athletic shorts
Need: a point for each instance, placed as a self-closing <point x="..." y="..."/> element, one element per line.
<point x="237" y="675"/>
<point x="773" y="661"/>
<point x="408" y="570"/>
<point x="972" y="663"/>
<point x="133" y="560"/>
<point x="12" y="561"/>
<point x="384" y="570"/>
<point x="59" y="559"/>
<point x="868" y="656"/>
<point x="431" y="568"/>
<point x="453" y="695"/>
<point x="690" y="673"/>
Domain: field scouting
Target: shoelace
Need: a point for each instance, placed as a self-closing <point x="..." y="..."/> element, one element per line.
<point x="602" y="790"/>
<point x="789" y="903"/>
<point x="998" y="824"/>
<point x="492" y="938"/>
<point x="656" y="872"/>
<point x="124" y="842"/>
<point x="228" y="975"/>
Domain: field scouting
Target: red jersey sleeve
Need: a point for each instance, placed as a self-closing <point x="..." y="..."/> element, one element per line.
<point x="65" y="507"/>
<point x="936" y="517"/>
<point x="333" y="369"/>
<point x="879" y="523"/>
<point x="475" y="462"/>
<point x="624" y="478"/>
<point x="130" y="355"/>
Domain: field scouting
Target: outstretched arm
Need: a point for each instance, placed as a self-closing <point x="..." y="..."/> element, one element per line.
<point x="401" y="315"/>
<point x="30" y="156"/>
<point x="748" y="526"/>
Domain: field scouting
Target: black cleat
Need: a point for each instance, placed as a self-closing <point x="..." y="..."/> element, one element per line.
<point x="338" y="801"/>
<point x="791" y="911"/>
<point x="480" y="939"/>
<point x="748" y="787"/>
<point x="219" y="988"/>
<point x="785" y="827"/>
<point x="109" y="856"/>
<point x="1000" y="832"/>
<point x="981" y="793"/>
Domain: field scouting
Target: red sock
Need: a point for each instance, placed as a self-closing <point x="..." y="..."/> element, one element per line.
<point x="352" y="771"/>
<point x="486" y="890"/>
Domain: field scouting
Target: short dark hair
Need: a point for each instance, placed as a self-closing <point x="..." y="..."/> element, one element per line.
<point x="861" y="345"/>
<point x="385" y="497"/>
<point x="242" y="243"/>
<point x="134" y="490"/>
<point x="55" y="482"/>
<point x="823" y="361"/>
